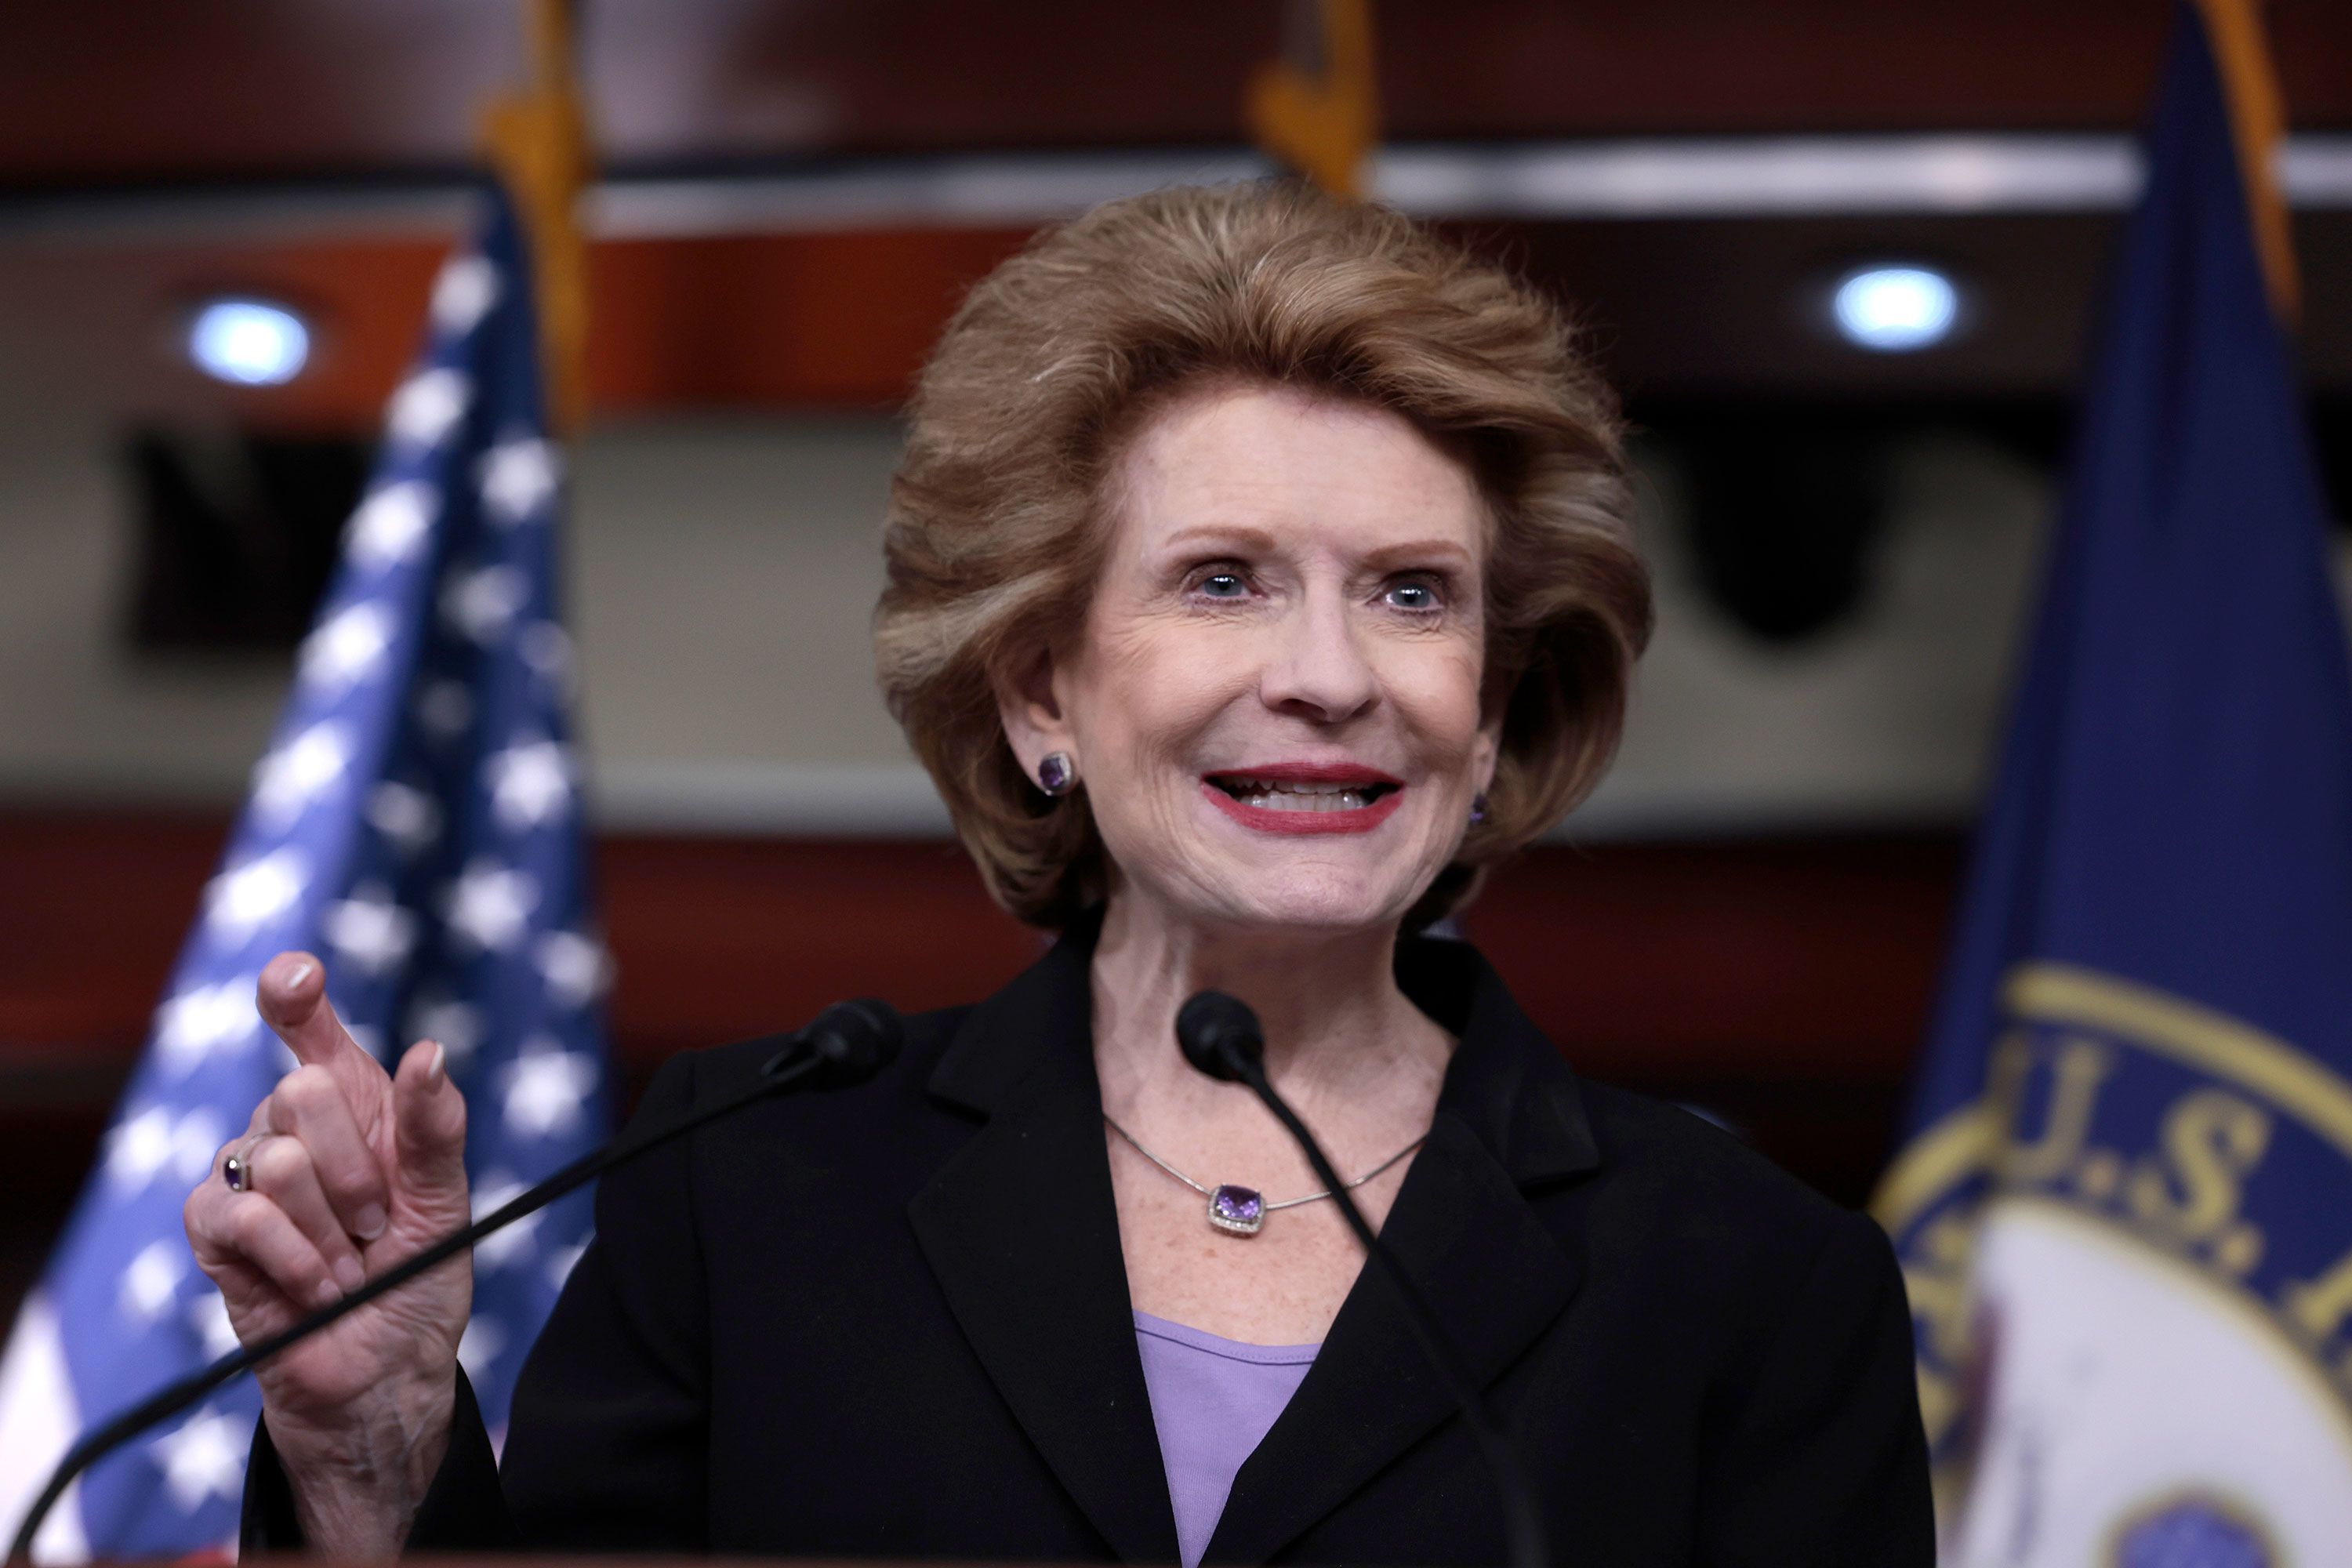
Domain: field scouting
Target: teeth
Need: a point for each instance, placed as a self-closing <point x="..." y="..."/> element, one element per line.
<point x="1287" y="794"/>
<point x="1337" y="799"/>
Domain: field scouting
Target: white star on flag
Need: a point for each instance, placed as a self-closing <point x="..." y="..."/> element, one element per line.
<point x="562" y="1260"/>
<point x="390" y="524"/>
<point x="348" y="647"/>
<point x="202" y="1019"/>
<point x="208" y="1319"/>
<point x="519" y="477"/>
<point x="139" y="1146"/>
<point x="464" y="293"/>
<point x="545" y="1087"/>
<point x="239" y="904"/>
<point x="493" y="1192"/>
<point x="490" y="905"/>
<point x="480" y="1345"/>
<point x="405" y="815"/>
<point x="574" y="966"/>
<point x="455" y="1026"/>
<point x="291" y="778"/>
<point x="528" y="784"/>
<point x="142" y="1147"/>
<point x="547" y="648"/>
<point x="370" y="928"/>
<point x="482" y="604"/>
<point x="426" y="406"/>
<point x="152" y="1280"/>
<point x="204" y="1459"/>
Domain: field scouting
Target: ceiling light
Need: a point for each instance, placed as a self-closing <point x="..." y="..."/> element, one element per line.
<point x="1895" y="309"/>
<point x="251" y="342"/>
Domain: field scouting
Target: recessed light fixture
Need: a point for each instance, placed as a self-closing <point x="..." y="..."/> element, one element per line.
<point x="1895" y="309"/>
<point x="248" y="341"/>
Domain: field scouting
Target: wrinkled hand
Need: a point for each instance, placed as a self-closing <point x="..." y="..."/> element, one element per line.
<point x="351" y="1169"/>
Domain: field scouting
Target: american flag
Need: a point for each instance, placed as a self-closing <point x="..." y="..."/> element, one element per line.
<point x="417" y="821"/>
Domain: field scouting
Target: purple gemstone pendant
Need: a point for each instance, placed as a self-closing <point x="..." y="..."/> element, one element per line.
<point x="1238" y="1210"/>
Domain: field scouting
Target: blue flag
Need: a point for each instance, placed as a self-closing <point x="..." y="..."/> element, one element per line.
<point x="2125" y="1208"/>
<point x="417" y="822"/>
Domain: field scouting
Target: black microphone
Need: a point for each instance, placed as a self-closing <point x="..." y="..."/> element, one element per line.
<point x="1220" y="1036"/>
<point x="846" y="1044"/>
<point x="852" y="1041"/>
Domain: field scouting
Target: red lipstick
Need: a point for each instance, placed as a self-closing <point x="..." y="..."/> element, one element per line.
<point x="1385" y="791"/>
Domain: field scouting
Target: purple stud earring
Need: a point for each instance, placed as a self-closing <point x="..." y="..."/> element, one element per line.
<point x="1478" y="808"/>
<point x="1055" y="775"/>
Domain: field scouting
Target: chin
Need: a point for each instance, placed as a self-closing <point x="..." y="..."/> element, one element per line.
<point x="1201" y="868"/>
<point x="1313" y="898"/>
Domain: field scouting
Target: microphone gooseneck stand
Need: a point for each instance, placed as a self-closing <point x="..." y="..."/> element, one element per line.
<point x="1220" y="1036"/>
<point x="848" y="1043"/>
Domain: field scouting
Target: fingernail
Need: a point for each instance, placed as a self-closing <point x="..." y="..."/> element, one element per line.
<point x="299" y="974"/>
<point x="434" y="1065"/>
<point x="349" y="1274"/>
<point x="368" y="1224"/>
<point x="327" y="1293"/>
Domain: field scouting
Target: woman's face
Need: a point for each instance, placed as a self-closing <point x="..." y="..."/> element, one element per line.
<point x="1274" y="703"/>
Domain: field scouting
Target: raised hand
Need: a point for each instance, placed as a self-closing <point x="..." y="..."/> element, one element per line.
<point x="346" y="1170"/>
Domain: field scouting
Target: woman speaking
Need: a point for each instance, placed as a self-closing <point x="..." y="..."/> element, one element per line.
<point x="1259" y="574"/>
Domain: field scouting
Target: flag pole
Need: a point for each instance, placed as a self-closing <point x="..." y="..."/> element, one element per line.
<point x="1316" y="109"/>
<point x="537" y="141"/>
<point x="2257" y="124"/>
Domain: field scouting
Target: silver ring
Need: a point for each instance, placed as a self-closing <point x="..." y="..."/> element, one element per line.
<point x="237" y="1169"/>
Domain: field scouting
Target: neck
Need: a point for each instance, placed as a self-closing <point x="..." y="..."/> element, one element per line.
<point x="1337" y="1029"/>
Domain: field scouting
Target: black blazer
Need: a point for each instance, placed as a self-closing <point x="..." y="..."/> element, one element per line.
<point x="893" y="1321"/>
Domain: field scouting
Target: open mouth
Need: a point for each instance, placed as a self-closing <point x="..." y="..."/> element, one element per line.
<point x="1317" y="795"/>
<point x="1312" y="798"/>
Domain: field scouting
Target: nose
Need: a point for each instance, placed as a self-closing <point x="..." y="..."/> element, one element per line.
<point x="1316" y="668"/>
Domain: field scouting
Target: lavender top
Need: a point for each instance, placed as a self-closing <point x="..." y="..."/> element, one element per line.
<point x="1213" y="1400"/>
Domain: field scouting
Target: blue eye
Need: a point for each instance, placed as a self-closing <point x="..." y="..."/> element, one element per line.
<point x="1224" y="586"/>
<point x="1413" y="594"/>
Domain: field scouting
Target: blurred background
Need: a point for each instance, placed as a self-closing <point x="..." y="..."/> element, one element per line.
<point x="1842" y="258"/>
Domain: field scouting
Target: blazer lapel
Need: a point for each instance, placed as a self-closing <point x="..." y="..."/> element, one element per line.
<point x="1510" y="1116"/>
<point x="1022" y="1230"/>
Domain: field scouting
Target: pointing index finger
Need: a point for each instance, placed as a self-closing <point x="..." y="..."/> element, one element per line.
<point x="292" y="998"/>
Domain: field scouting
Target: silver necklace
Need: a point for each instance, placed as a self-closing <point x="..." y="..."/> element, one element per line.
<point x="1241" y="1210"/>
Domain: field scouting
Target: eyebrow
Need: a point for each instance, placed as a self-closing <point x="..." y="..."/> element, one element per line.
<point x="1243" y="537"/>
<point x="1421" y="550"/>
<point x="1222" y="533"/>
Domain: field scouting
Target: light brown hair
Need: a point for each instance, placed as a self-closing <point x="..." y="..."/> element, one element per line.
<point x="993" y="534"/>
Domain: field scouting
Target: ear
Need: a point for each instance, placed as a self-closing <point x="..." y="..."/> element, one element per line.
<point x="1029" y="706"/>
<point x="1486" y="752"/>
